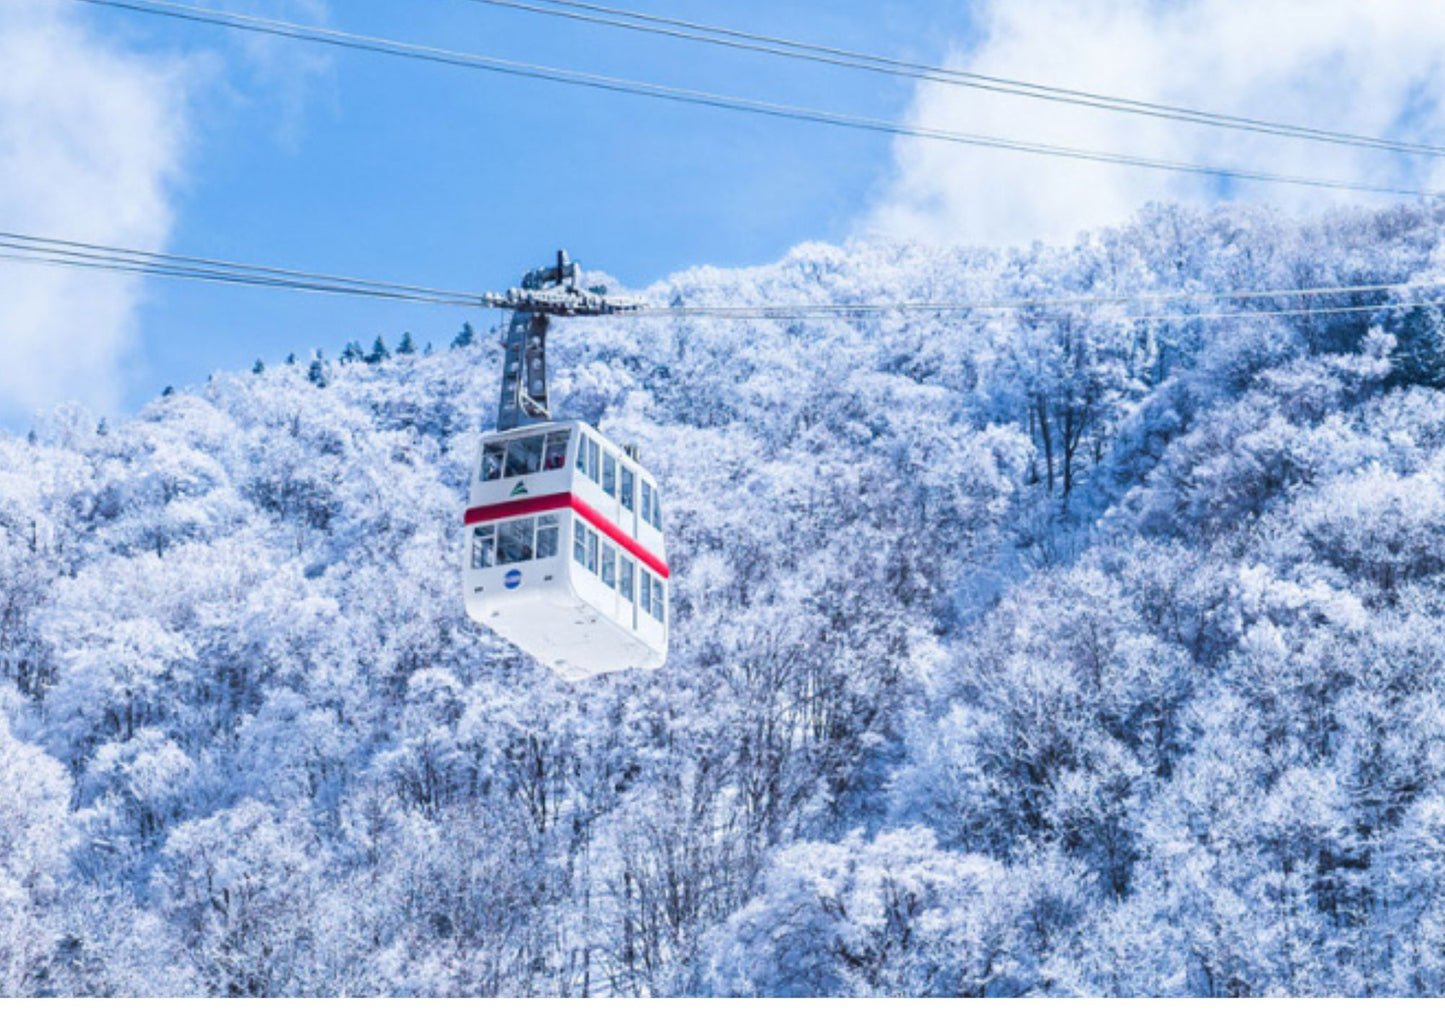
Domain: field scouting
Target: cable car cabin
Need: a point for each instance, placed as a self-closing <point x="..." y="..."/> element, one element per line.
<point x="565" y="557"/>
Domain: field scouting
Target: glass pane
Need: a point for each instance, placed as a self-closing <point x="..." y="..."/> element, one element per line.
<point x="609" y="475"/>
<point x="547" y="531"/>
<point x="609" y="566"/>
<point x="579" y="544"/>
<point x="657" y="510"/>
<point x="492" y="455"/>
<point x="582" y="460"/>
<point x="556" y="456"/>
<point x="646" y="501"/>
<point x="658" y="600"/>
<point x="524" y="456"/>
<point x="644" y="590"/>
<point x="514" y="541"/>
<point x="629" y="483"/>
<point x="592" y="460"/>
<point x="592" y="552"/>
<point x="483" y="547"/>
<point x="624" y="578"/>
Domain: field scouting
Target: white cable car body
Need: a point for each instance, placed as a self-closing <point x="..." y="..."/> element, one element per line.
<point x="565" y="556"/>
<point x="564" y="549"/>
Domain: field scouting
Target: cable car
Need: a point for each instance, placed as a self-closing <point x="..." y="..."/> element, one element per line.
<point x="565" y="552"/>
<point x="565" y="555"/>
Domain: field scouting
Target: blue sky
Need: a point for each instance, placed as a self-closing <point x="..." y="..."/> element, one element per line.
<point x="402" y="170"/>
<point x="128" y="129"/>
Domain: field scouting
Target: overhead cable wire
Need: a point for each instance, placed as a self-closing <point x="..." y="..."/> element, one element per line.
<point x="396" y="48"/>
<point x="27" y="248"/>
<point x="59" y="260"/>
<point x="1335" y="310"/>
<point x="1023" y="304"/>
<point x="9" y="239"/>
<point x="715" y="35"/>
<point x="774" y="313"/>
<point x="77" y="249"/>
<point x="860" y="312"/>
<point x="65" y="255"/>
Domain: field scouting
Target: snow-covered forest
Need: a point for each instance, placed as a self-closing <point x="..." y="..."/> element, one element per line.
<point x="1026" y="652"/>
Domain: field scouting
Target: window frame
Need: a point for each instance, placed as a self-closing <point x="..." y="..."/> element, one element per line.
<point x="550" y="444"/>
<point x="627" y="487"/>
<point x="608" y="574"/>
<point x="517" y="526"/>
<point x="609" y="473"/>
<point x="501" y="463"/>
<point x="490" y="532"/>
<point x="548" y="525"/>
<point x="521" y="443"/>
<point x="594" y="459"/>
<point x="626" y="577"/>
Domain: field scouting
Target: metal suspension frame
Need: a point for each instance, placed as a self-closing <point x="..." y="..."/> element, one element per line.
<point x="545" y="292"/>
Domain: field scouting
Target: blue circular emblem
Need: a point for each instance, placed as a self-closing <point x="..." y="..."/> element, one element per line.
<point x="512" y="579"/>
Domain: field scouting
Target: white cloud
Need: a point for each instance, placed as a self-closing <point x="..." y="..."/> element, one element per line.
<point x="1367" y="68"/>
<point x="90" y="143"/>
<point x="289" y="76"/>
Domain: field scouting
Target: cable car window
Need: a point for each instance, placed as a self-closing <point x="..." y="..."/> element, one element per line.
<point x="609" y="566"/>
<point x="492" y="456"/>
<point x="659" y="603"/>
<point x="644" y="592"/>
<point x="484" y="546"/>
<point x="547" y="530"/>
<point x="629" y="485"/>
<point x="556" y="456"/>
<point x="646" y="501"/>
<point x="524" y="456"/>
<point x="609" y="475"/>
<point x="579" y="544"/>
<point x="593" y="463"/>
<point x="657" y="510"/>
<point x="514" y="541"/>
<point x="626" y="571"/>
<point x="582" y="461"/>
<point x="592" y="551"/>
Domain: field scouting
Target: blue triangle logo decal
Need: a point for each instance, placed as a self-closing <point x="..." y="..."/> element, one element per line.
<point x="519" y="490"/>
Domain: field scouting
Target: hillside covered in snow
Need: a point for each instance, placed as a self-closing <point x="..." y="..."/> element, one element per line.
<point x="1032" y="651"/>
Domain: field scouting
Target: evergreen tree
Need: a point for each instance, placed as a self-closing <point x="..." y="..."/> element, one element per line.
<point x="352" y="353"/>
<point x="407" y="345"/>
<point x="379" y="353"/>
<point x="466" y="338"/>
<point x="259" y="367"/>
<point x="1419" y="357"/>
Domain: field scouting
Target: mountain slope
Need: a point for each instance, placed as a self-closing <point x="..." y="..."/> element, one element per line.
<point x="1047" y="651"/>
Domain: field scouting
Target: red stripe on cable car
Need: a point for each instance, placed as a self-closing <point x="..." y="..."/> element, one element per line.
<point x="514" y="508"/>
<point x="568" y="502"/>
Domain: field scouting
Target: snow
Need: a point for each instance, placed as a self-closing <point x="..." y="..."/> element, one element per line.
<point x="1012" y="654"/>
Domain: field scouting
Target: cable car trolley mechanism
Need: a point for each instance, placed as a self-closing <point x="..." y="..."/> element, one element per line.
<point x="565" y="555"/>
